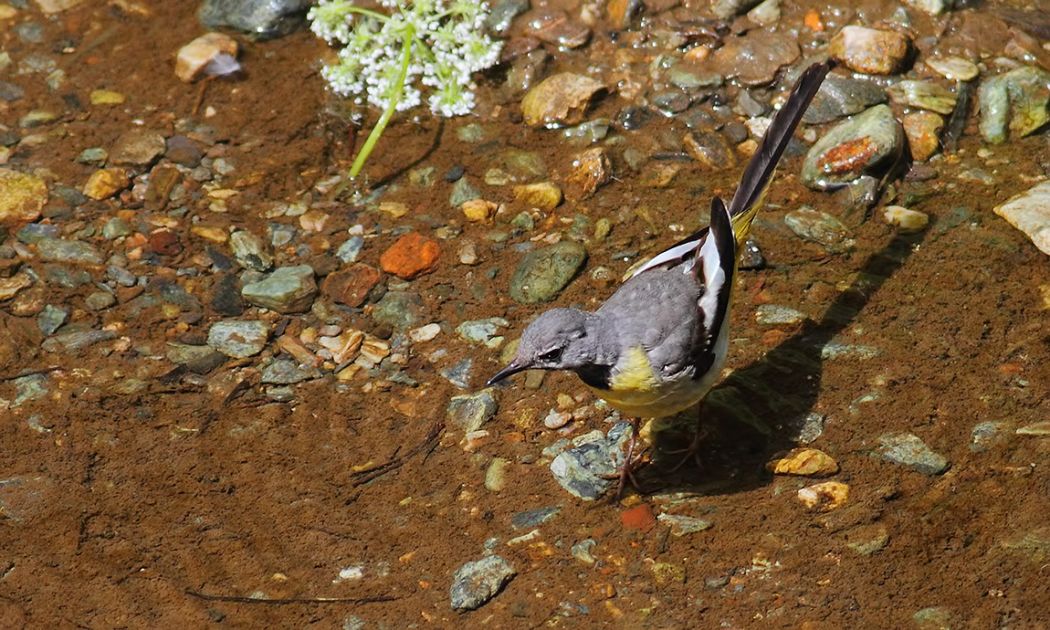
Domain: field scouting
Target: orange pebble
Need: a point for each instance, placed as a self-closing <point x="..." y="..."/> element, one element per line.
<point x="813" y="21"/>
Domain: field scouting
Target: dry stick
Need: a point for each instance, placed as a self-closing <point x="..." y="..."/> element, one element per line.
<point x="362" y="477"/>
<point x="200" y="94"/>
<point x="238" y="599"/>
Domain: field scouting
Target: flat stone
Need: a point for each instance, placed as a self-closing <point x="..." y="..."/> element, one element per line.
<point x="544" y="272"/>
<point x="286" y="290"/>
<point x="400" y="310"/>
<point x="469" y="412"/>
<point x="411" y="256"/>
<point x="842" y="96"/>
<point x="194" y="58"/>
<point x="805" y="462"/>
<point x="1030" y="213"/>
<point x="250" y="251"/>
<point x="51" y="319"/>
<point x="542" y="195"/>
<point x="137" y="147"/>
<point x="477" y="582"/>
<point x="867" y="540"/>
<point x="351" y="286"/>
<point x="584" y="470"/>
<point x="287" y="372"/>
<point x="76" y="340"/>
<point x="197" y="359"/>
<point x="820" y="227"/>
<point x="774" y="315"/>
<point x="239" y="338"/>
<point x="954" y="68"/>
<point x="907" y="221"/>
<point x="9" y="92"/>
<point x="22" y="197"/>
<point x="530" y="519"/>
<point x="682" y="525"/>
<point x="481" y="330"/>
<point x="262" y="20"/>
<point x="869" y="50"/>
<point x="106" y="182"/>
<point x="923" y="130"/>
<point x="926" y="95"/>
<point x="1018" y="101"/>
<point x="61" y="250"/>
<point x="560" y="99"/>
<point x="764" y="51"/>
<point x="908" y="450"/>
<point x="852" y="148"/>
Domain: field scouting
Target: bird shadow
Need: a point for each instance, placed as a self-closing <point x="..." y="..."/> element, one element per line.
<point x="767" y="407"/>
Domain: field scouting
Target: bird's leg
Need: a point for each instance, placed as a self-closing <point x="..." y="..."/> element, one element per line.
<point x="693" y="450"/>
<point x="630" y="463"/>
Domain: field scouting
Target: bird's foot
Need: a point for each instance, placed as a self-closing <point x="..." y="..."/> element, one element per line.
<point x="632" y="462"/>
<point x="691" y="452"/>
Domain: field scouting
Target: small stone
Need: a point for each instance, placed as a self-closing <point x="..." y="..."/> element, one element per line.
<point x="424" y="334"/>
<point x="1030" y="213"/>
<point x="286" y="290"/>
<point x="869" y="50"/>
<point x="985" y="434"/>
<point x="93" y="155"/>
<point x="61" y="250"/>
<point x="496" y="475"/>
<point x="908" y="450"/>
<point x="923" y="130"/>
<point x="164" y="242"/>
<point x="193" y="59"/>
<point x="412" y="255"/>
<point x="22" y="197"/>
<point x="867" y="540"/>
<point x="824" y="497"/>
<point x="1041" y="429"/>
<point x="56" y="6"/>
<point x="766" y="13"/>
<point x="556" y="419"/>
<point x="544" y="272"/>
<point x="106" y="97"/>
<point x="530" y="519"/>
<point x="853" y="148"/>
<point x="766" y="53"/>
<point x="287" y="372"/>
<point x="463" y="191"/>
<point x="351" y="286"/>
<point x="479" y="210"/>
<point x="238" y="338"/>
<point x="137" y="147"/>
<point x="350" y="249"/>
<point x="555" y="28"/>
<point x="458" y="374"/>
<point x="1018" y="100"/>
<point x="820" y="227"/>
<point x="710" y="149"/>
<point x="469" y="412"/>
<point x="250" y="251"/>
<point x="36" y="118"/>
<point x="260" y="20"/>
<point x="76" y="340"/>
<point x="804" y="462"/>
<point x="933" y="618"/>
<point x="834" y="350"/>
<point x="477" y="582"/>
<point x="184" y="151"/>
<point x="100" y="300"/>
<point x="560" y="99"/>
<point x="51" y="318"/>
<point x="682" y="525"/>
<point x="399" y="310"/>
<point x="907" y="221"/>
<point x="842" y="96"/>
<point x="481" y="330"/>
<point x="726" y="9"/>
<point x="774" y="315"/>
<point x="585" y="470"/>
<point x="953" y="68"/>
<point x="197" y="359"/>
<point x="9" y="287"/>
<point x="930" y="7"/>
<point x="590" y="171"/>
<point x="468" y="254"/>
<point x="106" y="182"/>
<point x="582" y="551"/>
<point x="923" y="95"/>
<point x="639" y="518"/>
<point x="542" y="195"/>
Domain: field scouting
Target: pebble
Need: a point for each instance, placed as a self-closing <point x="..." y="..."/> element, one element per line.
<point x="582" y="469"/>
<point x="953" y="68"/>
<point x="9" y="92"/>
<point x="496" y="474"/>
<point x="351" y="286"/>
<point x="76" y="340"/>
<point x="411" y="256"/>
<point x="542" y="195"/>
<point x="835" y="350"/>
<point x="682" y="525"/>
<point x="22" y="197"/>
<point x="907" y="221"/>
<point x="261" y="20"/>
<point x="842" y="96"/>
<point x="106" y="182"/>
<point x="184" y="151"/>
<point x="197" y="359"/>
<point x="1040" y="429"/>
<point x="286" y="290"/>
<point x="923" y="95"/>
<point x="100" y="300"/>
<point x="934" y="617"/>
<point x="287" y="372"/>
<point x="866" y="540"/>
<point x="350" y="249"/>
<point x="985" y="434"/>
<point x="766" y="52"/>
<point x="810" y="427"/>
<point x="556" y="419"/>
<point x="555" y="28"/>
<point x="61" y="250"/>
<point x="1030" y="213"/>
<point x="931" y="7"/>
<point x="51" y="319"/>
<point x="560" y="99"/>
<point x="639" y="517"/>
<point x="908" y="450"/>
<point x="250" y="251"/>
<point x="458" y="374"/>
<point x="483" y="331"/>
<point x="923" y="130"/>
<point x="530" y="519"/>
<point x="479" y="210"/>
<point x="463" y="191"/>
<point x="821" y="228"/>
<point x="477" y="582"/>
<point x="238" y="338"/>
<point x="469" y="412"/>
<point x="824" y="497"/>
<point x="766" y="13"/>
<point x="137" y="147"/>
<point x="226" y="295"/>
<point x="36" y="118"/>
<point x="400" y="310"/>
<point x="590" y="171"/>
<point x="853" y="148"/>
<point x="582" y="551"/>
<point x="193" y="59"/>
<point x="544" y="272"/>
<point x="774" y="315"/>
<point x="50" y="7"/>
<point x="805" y="462"/>
<point x="710" y="149"/>
<point x="869" y="50"/>
<point x="1018" y="100"/>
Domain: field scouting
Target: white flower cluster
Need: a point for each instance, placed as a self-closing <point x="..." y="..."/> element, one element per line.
<point x="435" y="44"/>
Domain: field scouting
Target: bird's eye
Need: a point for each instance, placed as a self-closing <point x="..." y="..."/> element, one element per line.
<point x="551" y="355"/>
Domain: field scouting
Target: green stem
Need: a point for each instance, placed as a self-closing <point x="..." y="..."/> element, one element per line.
<point x="391" y="106"/>
<point x="368" y="12"/>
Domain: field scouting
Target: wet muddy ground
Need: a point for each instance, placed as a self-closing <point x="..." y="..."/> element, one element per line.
<point x="142" y="489"/>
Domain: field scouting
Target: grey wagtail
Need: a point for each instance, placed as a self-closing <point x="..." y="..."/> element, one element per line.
<point x="657" y="345"/>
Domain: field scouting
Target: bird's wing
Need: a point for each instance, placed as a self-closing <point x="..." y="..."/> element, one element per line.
<point x="747" y="199"/>
<point x="717" y="265"/>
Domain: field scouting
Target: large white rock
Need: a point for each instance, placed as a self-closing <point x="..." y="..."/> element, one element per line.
<point x="1030" y="213"/>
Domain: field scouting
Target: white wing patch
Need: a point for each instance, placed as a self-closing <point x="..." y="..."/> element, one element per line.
<point x="714" y="278"/>
<point x="683" y="251"/>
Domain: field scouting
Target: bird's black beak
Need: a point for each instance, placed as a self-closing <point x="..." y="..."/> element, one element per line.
<point x="513" y="368"/>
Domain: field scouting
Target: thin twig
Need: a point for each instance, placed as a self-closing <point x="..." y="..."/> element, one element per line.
<point x="362" y="477"/>
<point x="283" y="601"/>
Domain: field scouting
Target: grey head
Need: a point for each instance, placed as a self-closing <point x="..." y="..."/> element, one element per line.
<point x="560" y="339"/>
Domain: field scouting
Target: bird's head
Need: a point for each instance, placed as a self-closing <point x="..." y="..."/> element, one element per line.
<point x="556" y="340"/>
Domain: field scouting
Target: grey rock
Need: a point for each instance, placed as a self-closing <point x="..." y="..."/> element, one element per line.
<point x="1018" y="100"/>
<point x="286" y="290"/>
<point x="670" y="101"/>
<point x="682" y="525"/>
<point x="766" y="53"/>
<point x="534" y="518"/>
<point x="250" y="251"/>
<point x="583" y="469"/>
<point x="986" y="434"/>
<point x="726" y="9"/>
<point x="263" y="19"/>
<point x="183" y="151"/>
<point x="121" y="276"/>
<point x="837" y="350"/>
<point x="197" y="359"/>
<point x="36" y="232"/>
<point x="582" y="551"/>
<point x="100" y="300"/>
<point x="115" y="228"/>
<point x="10" y="92"/>
<point x="238" y="338"/>
<point x="933" y="618"/>
<point x="689" y="76"/>
<point x="137" y="147"/>
<point x="775" y="315"/>
<point x="543" y="273"/>
<point x="93" y="155"/>
<point x="502" y="13"/>
<point x="458" y="374"/>
<point x="62" y="276"/>
<point x="854" y="147"/>
<point x="287" y="372"/>
<point x="481" y="330"/>
<point x="923" y="95"/>
<point x="475" y="583"/>
<point x="51" y="319"/>
<point x="821" y="228"/>
<point x="810" y="427"/>
<point x="225" y="295"/>
<point x="908" y="450"/>
<point x="463" y="191"/>
<point x="30" y="32"/>
<point x="350" y="249"/>
<point x="74" y="341"/>
<point x="469" y="412"/>
<point x="61" y="250"/>
<point x="400" y="310"/>
<point x="30" y="387"/>
<point x="842" y="96"/>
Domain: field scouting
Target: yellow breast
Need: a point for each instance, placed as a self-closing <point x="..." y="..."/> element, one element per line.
<point x="636" y="391"/>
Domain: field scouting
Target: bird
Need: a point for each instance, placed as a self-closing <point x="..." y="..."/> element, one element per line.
<point x="657" y="345"/>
